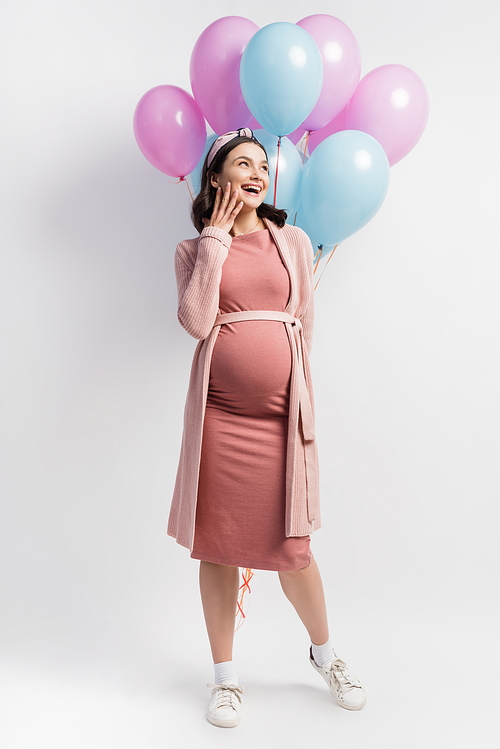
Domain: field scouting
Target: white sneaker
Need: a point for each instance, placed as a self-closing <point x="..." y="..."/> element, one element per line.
<point x="344" y="686"/>
<point x="224" y="708"/>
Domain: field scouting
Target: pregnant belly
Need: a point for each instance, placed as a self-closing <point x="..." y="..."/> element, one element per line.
<point x="251" y="368"/>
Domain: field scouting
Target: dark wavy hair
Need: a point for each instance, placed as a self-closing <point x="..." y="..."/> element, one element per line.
<point x="203" y="204"/>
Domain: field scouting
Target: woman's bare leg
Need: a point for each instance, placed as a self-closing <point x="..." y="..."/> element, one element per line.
<point x="304" y="590"/>
<point x="219" y="585"/>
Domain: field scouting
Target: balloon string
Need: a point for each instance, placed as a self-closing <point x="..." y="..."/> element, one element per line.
<point x="190" y="193"/>
<point x="276" y="177"/>
<point x="305" y="146"/>
<point x="331" y="255"/>
<point x="183" y="179"/>
<point x="247" y="575"/>
<point x="308" y="133"/>
<point x="319" y="252"/>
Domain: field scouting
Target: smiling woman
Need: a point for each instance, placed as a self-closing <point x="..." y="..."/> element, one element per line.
<point x="246" y="172"/>
<point x="246" y="493"/>
<point x="236" y="171"/>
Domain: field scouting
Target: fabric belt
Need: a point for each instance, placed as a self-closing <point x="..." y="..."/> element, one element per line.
<point x="305" y="408"/>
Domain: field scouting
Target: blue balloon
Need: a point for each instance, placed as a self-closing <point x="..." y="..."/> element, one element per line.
<point x="344" y="184"/>
<point x="299" y="219"/>
<point x="281" y="75"/>
<point x="288" y="193"/>
<point x="196" y="173"/>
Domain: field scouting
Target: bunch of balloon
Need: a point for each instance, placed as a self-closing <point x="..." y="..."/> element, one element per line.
<point x="297" y="80"/>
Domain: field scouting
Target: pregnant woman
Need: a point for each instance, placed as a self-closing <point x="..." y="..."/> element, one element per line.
<point x="246" y="493"/>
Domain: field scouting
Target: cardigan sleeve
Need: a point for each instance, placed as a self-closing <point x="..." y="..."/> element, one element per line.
<point x="198" y="275"/>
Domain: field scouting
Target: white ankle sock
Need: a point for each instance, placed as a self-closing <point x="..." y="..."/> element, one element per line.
<point x="323" y="653"/>
<point x="224" y="672"/>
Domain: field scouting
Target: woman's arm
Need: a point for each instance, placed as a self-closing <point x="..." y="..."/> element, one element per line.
<point x="198" y="279"/>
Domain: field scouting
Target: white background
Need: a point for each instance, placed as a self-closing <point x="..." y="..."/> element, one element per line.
<point x="103" y="639"/>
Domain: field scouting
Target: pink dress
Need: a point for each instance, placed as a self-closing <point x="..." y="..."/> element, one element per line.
<point x="240" y="513"/>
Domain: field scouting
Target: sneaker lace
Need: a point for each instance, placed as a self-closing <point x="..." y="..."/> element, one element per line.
<point x="228" y="694"/>
<point x="342" y="677"/>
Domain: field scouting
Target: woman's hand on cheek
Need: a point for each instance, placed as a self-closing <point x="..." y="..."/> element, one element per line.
<point x="225" y="209"/>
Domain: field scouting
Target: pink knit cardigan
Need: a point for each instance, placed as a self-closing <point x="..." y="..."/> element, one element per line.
<point x="198" y="267"/>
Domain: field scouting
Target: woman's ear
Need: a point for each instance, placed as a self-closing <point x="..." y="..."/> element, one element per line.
<point x="213" y="180"/>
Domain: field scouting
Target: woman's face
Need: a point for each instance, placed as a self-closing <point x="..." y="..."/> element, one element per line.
<point x="247" y="170"/>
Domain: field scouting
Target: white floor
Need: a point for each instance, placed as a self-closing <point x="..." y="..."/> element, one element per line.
<point x="430" y="683"/>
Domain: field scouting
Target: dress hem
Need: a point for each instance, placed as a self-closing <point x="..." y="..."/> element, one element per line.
<point x="232" y="563"/>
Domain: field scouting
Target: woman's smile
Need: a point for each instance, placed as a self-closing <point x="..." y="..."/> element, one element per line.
<point x="252" y="188"/>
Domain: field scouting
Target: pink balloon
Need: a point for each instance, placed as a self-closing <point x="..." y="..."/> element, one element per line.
<point x="215" y="72"/>
<point x="391" y="104"/>
<point x="341" y="66"/>
<point x="335" y="126"/>
<point x="170" y="130"/>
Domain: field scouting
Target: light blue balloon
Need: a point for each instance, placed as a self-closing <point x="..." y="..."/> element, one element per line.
<point x="281" y="75"/>
<point x="196" y="173"/>
<point x="288" y="193"/>
<point x="344" y="184"/>
<point x="299" y="219"/>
